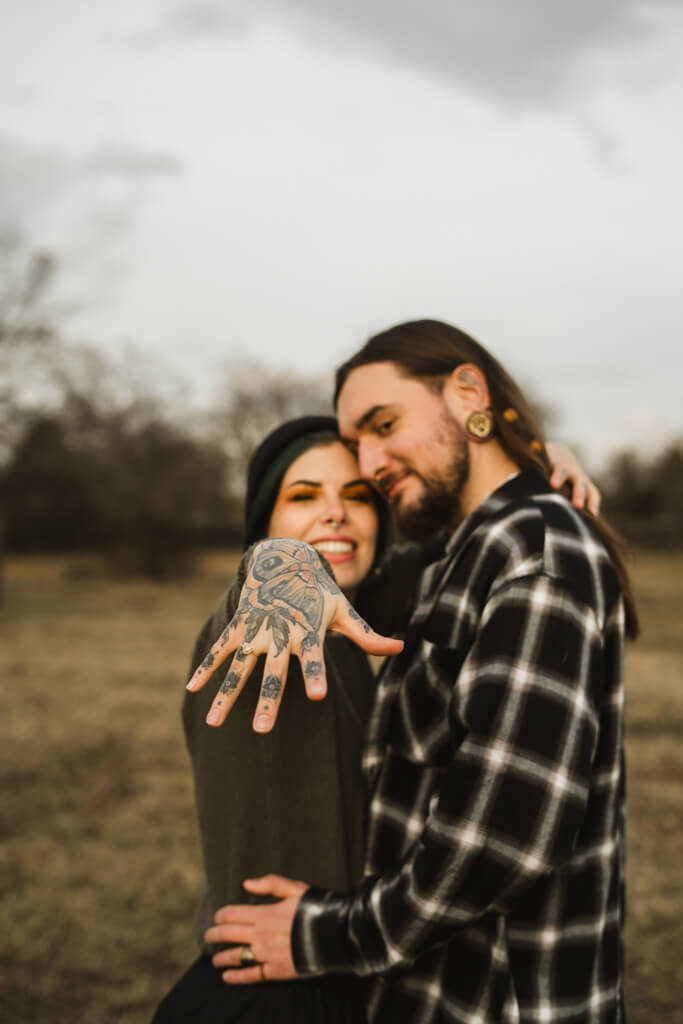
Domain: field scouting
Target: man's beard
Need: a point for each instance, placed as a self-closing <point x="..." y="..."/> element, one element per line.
<point x="439" y="506"/>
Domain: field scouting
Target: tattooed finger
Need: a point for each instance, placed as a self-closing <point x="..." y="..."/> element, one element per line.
<point x="313" y="668"/>
<point x="230" y="689"/>
<point x="216" y="656"/>
<point x="272" y="688"/>
<point x="310" y="642"/>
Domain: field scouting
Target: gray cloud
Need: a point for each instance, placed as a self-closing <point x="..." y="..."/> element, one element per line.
<point x="83" y="207"/>
<point x="33" y="180"/>
<point x="202" y="19"/>
<point x="525" y="52"/>
<point x="128" y="161"/>
<point x="30" y="180"/>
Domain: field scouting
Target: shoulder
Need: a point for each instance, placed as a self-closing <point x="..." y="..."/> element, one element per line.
<point x="545" y="535"/>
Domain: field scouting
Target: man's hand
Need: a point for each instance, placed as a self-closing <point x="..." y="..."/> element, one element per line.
<point x="266" y="929"/>
<point x="288" y="602"/>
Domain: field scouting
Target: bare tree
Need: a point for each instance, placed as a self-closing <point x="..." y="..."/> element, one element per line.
<point x="27" y="338"/>
<point x="28" y="335"/>
<point x="253" y="401"/>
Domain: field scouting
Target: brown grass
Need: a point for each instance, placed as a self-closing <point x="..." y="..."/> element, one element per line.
<point x="98" y="855"/>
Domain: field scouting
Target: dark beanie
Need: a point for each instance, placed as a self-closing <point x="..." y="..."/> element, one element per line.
<point x="271" y="460"/>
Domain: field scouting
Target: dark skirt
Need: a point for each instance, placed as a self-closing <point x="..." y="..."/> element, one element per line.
<point x="202" y="997"/>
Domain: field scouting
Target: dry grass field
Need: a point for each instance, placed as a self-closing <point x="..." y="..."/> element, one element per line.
<point x="98" y="856"/>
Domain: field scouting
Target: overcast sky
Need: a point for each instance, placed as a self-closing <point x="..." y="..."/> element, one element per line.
<point x="279" y="178"/>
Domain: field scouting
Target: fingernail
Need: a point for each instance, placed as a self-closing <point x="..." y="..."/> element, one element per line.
<point x="261" y="723"/>
<point x="191" y="685"/>
<point x="317" y="687"/>
<point x="213" y="716"/>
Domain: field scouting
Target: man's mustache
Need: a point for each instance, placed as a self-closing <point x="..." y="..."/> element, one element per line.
<point x="386" y="482"/>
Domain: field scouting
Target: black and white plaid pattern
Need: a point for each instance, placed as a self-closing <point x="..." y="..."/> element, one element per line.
<point x="494" y="888"/>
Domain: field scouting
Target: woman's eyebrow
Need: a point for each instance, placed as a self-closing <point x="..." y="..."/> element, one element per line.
<point x="307" y="483"/>
<point x="360" y="482"/>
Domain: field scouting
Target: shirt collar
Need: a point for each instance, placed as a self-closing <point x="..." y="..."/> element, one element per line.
<point x="525" y="484"/>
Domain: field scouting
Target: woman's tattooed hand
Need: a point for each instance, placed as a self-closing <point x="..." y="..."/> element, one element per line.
<point x="288" y="589"/>
<point x="288" y="602"/>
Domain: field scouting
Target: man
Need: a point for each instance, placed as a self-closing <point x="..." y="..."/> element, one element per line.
<point x="494" y="877"/>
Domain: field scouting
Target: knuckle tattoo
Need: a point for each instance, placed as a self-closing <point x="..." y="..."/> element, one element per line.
<point x="272" y="686"/>
<point x="230" y="682"/>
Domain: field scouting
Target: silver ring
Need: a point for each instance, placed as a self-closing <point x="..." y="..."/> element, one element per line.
<point x="247" y="648"/>
<point x="247" y="958"/>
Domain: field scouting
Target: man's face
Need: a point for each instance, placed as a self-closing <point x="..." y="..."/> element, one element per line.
<point x="408" y="442"/>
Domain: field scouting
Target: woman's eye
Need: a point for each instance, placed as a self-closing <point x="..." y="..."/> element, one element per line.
<point x="361" y="494"/>
<point x="385" y="427"/>
<point x="301" y="496"/>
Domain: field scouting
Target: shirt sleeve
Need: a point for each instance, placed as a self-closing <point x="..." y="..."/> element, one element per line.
<point x="524" y="723"/>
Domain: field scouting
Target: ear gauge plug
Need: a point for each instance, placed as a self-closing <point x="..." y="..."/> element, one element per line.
<point x="479" y="426"/>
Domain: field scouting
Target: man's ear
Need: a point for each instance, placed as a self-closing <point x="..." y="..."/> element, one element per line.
<point x="465" y="391"/>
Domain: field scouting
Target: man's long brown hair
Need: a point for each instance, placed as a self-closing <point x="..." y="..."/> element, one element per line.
<point x="429" y="350"/>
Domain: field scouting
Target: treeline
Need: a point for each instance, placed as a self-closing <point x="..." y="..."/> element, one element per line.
<point x="138" y="478"/>
<point x="96" y="456"/>
<point x="643" y="498"/>
<point x="135" y="488"/>
<point x="140" y="483"/>
<point x="106" y="454"/>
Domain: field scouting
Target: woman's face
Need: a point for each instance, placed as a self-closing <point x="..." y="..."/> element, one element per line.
<point x="323" y="500"/>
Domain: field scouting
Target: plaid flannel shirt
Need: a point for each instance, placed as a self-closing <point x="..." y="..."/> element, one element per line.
<point x="494" y="879"/>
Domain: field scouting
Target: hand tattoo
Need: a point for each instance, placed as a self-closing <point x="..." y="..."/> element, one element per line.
<point x="230" y="682"/>
<point x="291" y="581"/>
<point x="272" y="685"/>
<point x="310" y="641"/>
<point x="313" y="668"/>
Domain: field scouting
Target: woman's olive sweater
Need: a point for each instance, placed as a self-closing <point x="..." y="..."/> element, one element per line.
<point x="291" y="801"/>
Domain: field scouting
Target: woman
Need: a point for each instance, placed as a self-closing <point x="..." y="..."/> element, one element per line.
<point x="296" y="810"/>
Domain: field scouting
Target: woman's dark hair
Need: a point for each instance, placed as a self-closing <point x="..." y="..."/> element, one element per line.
<point x="429" y="350"/>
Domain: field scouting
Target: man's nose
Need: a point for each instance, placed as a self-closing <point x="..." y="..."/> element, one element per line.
<point x="372" y="460"/>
